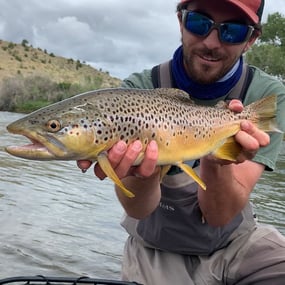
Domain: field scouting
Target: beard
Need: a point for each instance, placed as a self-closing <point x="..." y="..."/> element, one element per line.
<point x="217" y="67"/>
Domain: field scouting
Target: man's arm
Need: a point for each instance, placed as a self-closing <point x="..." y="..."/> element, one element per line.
<point x="229" y="185"/>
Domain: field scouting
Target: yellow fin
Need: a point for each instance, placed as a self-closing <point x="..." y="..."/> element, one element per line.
<point x="187" y="169"/>
<point x="266" y="109"/>
<point x="109" y="171"/>
<point x="229" y="150"/>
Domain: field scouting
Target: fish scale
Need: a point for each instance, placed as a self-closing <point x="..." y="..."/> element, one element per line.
<point x="86" y="126"/>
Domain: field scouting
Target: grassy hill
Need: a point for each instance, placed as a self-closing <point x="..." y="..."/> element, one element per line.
<point x="37" y="77"/>
<point x="21" y="59"/>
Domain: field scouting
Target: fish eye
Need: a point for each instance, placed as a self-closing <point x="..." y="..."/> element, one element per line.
<point x="53" y="125"/>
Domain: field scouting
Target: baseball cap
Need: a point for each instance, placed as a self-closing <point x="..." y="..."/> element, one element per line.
<point x="252" y="8"/>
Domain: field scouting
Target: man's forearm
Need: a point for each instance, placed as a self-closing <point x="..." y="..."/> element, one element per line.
<point x="147" y="195"/>
<point x="228" y="189"/>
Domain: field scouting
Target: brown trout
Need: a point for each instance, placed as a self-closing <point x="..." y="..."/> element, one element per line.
<point x="86" y="126"/>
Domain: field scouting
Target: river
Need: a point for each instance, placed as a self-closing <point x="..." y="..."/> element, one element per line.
<point x="57" y="221"/>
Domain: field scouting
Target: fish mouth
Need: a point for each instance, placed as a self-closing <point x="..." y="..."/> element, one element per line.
<point x="42" y="147"/>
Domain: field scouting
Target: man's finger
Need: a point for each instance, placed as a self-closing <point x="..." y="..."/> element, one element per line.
<point x="262" y="138"/>
<point x="84" y="164"/>
<point x="235" y="106"/>
<point x="148" y="165"/>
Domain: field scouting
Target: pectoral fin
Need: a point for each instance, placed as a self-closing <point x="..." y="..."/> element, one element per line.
<point x="187" y="169"/>
<point x="229" y="150"/>
<point x="109" y="171"/>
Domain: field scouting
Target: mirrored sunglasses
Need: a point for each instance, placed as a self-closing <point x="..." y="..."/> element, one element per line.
<point x="229" y="33"/>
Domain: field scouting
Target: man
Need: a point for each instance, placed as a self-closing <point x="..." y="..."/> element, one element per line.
<point x="179" y="233"/>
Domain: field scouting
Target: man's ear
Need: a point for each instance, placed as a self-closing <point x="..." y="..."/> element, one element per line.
<point x="179" y="16"/>
<point x="250" y="42"/>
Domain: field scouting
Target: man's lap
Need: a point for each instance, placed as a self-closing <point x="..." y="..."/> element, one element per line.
<point x="252" y="258"/>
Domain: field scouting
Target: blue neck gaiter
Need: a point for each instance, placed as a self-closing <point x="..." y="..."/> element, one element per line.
<point x="197" y="90"/>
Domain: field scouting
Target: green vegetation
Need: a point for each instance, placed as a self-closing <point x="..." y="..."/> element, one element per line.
<point x="26" y="94"/>
<point x="269" y="51"/>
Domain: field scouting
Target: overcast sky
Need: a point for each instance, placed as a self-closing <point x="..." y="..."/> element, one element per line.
<point x="119" y="36"/>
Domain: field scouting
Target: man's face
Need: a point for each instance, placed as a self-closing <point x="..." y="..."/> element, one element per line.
<point x="207" y="59"/>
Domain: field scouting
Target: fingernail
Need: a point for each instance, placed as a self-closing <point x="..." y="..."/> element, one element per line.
<point x="153" y="145"/>
<point x="137" y="146"/>
<point x="121" y="146"/>
<point x="245" y="125"/>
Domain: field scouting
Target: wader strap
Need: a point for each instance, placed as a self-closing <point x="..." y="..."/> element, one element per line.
<point x="161" y="75"/>
<point x="240" y="89"/>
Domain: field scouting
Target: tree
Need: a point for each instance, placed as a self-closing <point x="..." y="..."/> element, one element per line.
<point x="269" y="51"/>
<point x="274" y="30"/>
<point x="24" y="42"/>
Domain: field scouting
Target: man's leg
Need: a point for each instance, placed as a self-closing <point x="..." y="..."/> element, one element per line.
<point x="154" y="267"/>
<point x="262" y="259"/>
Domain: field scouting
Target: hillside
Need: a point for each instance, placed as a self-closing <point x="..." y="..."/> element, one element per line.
<point x="22" y="59"/>
<point x="31" y="78"/>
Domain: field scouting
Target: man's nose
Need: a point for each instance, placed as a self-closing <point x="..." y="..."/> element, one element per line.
<point x="212" y="40"/>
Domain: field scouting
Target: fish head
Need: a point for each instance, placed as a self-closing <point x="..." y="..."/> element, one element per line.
<point x="58" y="132"/>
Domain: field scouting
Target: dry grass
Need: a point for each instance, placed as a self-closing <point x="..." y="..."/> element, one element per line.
<point x="22" y="59"/>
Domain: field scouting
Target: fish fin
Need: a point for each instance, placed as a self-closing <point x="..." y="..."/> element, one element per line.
<point x="188" y="170"/>
<point x="229" y="150"/>
<point x="266" y="113"/>
<point x="269" y="125"/>
<point x="109" y="171"/>
<point x="164" y="170"/>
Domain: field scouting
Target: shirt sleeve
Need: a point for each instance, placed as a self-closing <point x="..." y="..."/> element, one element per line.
<point x="139" y="80"/>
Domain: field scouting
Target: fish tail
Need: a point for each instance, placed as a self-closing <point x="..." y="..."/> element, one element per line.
<point x="265" y="110"/>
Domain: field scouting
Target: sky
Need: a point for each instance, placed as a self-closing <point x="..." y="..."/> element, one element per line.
<point x="118" y="36"/>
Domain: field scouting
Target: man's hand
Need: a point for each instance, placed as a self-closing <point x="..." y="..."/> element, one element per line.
<point x="122" y="158"/>
<point x="249" y="137"/>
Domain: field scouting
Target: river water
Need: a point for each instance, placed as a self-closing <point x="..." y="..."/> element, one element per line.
<point x="57" y="221"/>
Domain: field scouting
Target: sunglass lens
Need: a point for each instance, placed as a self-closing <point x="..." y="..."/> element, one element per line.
<point x="198" y="24"/>
<point x="233" y="33"/>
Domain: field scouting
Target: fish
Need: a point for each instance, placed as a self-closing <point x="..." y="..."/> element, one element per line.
<point x="86" y="126"/>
